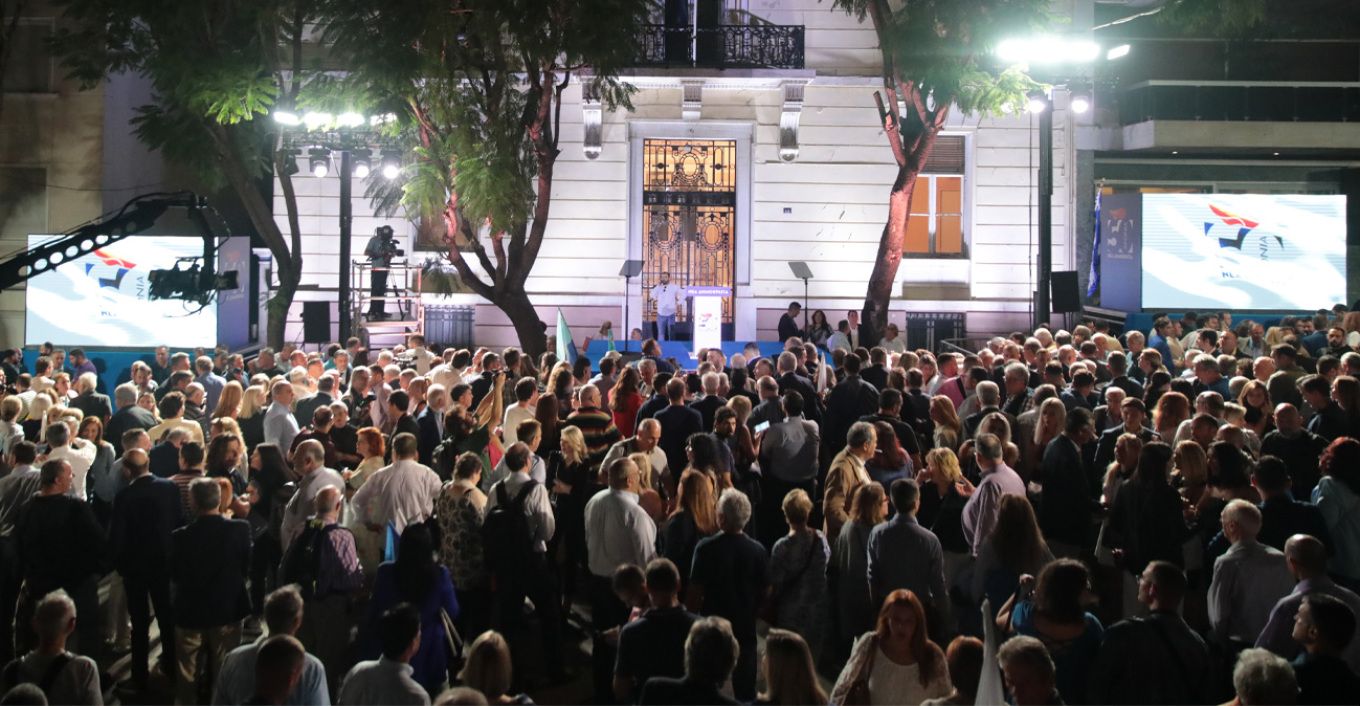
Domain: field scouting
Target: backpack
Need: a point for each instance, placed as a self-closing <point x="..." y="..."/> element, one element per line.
<point x="302" y="563"/>
<point x="444" y="458"/>
<point x="15" y="674"/>
<point x="507" y="541"/>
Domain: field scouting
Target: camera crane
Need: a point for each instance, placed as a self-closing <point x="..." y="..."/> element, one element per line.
<point x="195" y="284"/>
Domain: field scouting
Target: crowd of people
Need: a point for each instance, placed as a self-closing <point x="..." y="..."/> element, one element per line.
<point x="1161" y="517"/>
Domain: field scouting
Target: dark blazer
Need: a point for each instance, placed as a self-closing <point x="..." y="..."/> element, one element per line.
<point x="1066" y="507"/>
<point x="677" y="423"/>
<point x="848" y="401"/>
<point x="125" y="419"/>
<point x="428" y="427"/>
<point x="164" y="460"/>
<point x="144" y="515"/>
<point x="93" y="404"/>
<point x="974" y="420"/>
<point x="209" y="564"/>
<point x="708" y="408"/>
<point x="1128" y="385"/>
<point x="876" y="375"/>
<point x="771" y="410"/>
<point x="788" y="328"/>
<point x="480" y="387"/>
<point x="406" y="424"/>
<point x="812" y="405"/>
<point x="308" y="405"/>
<point x="1108" y="439"/>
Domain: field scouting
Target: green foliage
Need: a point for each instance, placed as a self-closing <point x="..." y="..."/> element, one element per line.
<point x="946" y="49"/>
<point x="1220" y="17"/>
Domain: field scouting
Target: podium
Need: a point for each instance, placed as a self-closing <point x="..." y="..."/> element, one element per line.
<point x="706" y="315"/>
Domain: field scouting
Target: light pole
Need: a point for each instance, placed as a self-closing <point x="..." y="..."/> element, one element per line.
<point x="353" y="137"/>
<point x="1063" y="54"/>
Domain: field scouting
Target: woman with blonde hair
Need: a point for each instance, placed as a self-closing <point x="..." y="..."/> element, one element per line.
<point x="941" y="507"/>
<point x="790" y="679"/>
<point x="1260" y="411"/>
<point x="948" y="428"/>
<point x="896" y="663"/>
<point x="573" y="485"/>
<point x="798" y="570"/>
<point x="868" y="509"/>
<point x="648" y="499"/>
<point x="695" y="517"/>
<point x="743" y="444"/>
<point x="251" y="416"/>
<point x="1172" y="409"/>
<point x="229" y="401"/>
<point x="1049" y="425"/>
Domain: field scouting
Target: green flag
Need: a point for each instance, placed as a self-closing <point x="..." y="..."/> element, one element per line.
<point x="566" y="348"/>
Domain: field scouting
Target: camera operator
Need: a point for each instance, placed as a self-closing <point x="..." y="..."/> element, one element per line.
<point x="381" y="248"/>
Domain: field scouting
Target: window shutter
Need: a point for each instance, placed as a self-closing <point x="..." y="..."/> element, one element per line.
<point x="946" y="157"/>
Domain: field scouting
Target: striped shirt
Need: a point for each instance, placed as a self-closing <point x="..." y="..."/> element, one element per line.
<point x="597" y="426"/>
<point x="182" y="481"/>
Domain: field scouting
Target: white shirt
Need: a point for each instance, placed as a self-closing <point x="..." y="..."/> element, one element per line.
<point x="382" y="681"/>
<point x="513" y="416"/>
<point x="194" y="428"/>
<point x="896" y="345"/>
<point x="1248" y="581"/>
<point x="839" y="340"/>
<point x="666" y="296"/>
<point x="81" y="459"/>
<point x="537" y="506"/>
<point x="279" y="427"/>
<point x="423" y="359"/>
<point x="402" y="493"/>
<point x="300" y="506"/>
<point x="618" y="531"/>
<point x="445" y="375"/>
<point x="538" y="470"/>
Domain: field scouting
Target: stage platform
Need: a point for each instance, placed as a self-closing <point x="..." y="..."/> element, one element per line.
<point x="682" y="351"/>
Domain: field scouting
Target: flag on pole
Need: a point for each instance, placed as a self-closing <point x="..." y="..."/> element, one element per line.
<point x="989" y="687"/>
<point x="566" y="348"/>
<point x="1095" y="252"/>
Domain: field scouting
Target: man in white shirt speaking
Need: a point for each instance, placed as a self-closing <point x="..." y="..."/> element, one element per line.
<point x="668" y="298"/>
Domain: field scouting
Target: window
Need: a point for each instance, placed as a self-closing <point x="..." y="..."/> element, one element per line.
<point x="30" y="69"/>
<point x="936" y="225"/>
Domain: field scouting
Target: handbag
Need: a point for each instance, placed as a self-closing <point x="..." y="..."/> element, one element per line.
<point x="453" y="644"/>
<point x="858" y="694"/>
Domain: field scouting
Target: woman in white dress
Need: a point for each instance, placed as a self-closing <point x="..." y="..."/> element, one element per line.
<point x="897" y="663"/>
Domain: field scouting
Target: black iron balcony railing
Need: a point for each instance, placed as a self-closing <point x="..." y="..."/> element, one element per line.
<point x="722" y="47"/>
<point x="1270" y="101"/>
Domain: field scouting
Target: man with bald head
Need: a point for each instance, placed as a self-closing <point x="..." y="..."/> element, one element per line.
<point x="1307" y="558"/>
<point x="596" y="425"/>
<point x="678" y="422"/>
<point x="1297" y="447"/>
<point x="325" y="622"/>
<point x="790" y="380"/>
<point x="279" y="424"/>
<point x="310" y="463"/>
<point x="647" y="441"/>
<point x="144" y="515"/>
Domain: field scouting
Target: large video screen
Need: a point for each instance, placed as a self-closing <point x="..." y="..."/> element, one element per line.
<point x="1243" y="251"/>
<point x="100" y="299"/>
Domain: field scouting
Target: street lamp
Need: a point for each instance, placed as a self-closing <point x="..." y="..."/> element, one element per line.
<point x="1054" y="53"/>
<point x="350" y="136"/>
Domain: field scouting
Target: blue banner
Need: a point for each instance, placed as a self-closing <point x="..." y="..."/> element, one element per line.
<point x="1120" y="225"/>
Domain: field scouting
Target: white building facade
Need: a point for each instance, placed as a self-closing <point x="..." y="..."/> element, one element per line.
<point x="725" y="175"/>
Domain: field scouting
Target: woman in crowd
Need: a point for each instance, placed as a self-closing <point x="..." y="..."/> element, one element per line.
<point x="790" y="679"/>
<point x="897" y="663"/>
<point x="798" y="571"/>
<point x="100" y="476"/>
<point x="964" y="656"/>
<point x="417" y="579"/>
<point x="742" y="443"/>
<point x="1147" y="523"/>
<point x="251" y="416"/>
<point x="461" y="507"/>
<point x="856" y="609"/>
<point x="942" y="505"/>
<point x="1056" y="615"/>
<point x="996" y="424"/>
<point x="1015" y="548"/>
<point x="847" y="475"/>
<point x="819" y="331"/>
<point x="648" y="498"/>
<point x="889" y="461"/>
<point x="368" y="543"/>
<point x="1052" y="417"/>
<point x="268" y="494"/>
<point x="705" y="456"/>
<point x="695" y="517"/>
<point x="488" y="669"/>
<point x="948" y="429"/>
<point x="229" y="401"/>
<point x="561" y="384"/>
<point x="1255" y="395"/>
<point x="221" y="462"/>
<point x="1127" y="449"/>
<point x="625" y="401"/>
<point x="573" y="484"/>
<point x="1159" y="383"/>
<point x="1346" y="394"/>
<point x="550" y="424"/>
<point x="1337" y="495"/>
<point x="1172" y="409"/>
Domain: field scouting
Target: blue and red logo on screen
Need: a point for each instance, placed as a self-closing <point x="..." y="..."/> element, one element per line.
<point x="119" y="266"/>
<point x="1244" y="226"/>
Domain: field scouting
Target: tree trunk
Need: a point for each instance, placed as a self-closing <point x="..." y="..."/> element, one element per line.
<point x="528" y="327"/>
<point x="881" y="281"/>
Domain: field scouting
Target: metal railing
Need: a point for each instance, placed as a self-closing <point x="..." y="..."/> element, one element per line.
<point x="1247" y="101"/>
<point x="722" y="47"/>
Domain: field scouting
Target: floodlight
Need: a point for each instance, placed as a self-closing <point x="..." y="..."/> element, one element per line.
<point x="391" y="164"/>
<point x="1116" y="52"/>
<point x="287" y="117"/>
<point x="350" y="119"/>
<point x="315" y="120"/>
<point x="363" y="162"/>
<point x="1080" y="103"/>
<point x="319" y="159"/>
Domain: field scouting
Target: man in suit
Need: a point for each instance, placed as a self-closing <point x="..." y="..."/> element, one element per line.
<point x="851" y="399"/>
<point x="890" y="413"/>
<point x="491" y="367"/>
<point x="144" y="516"/>
<point x="989" y="402"/>
<point x="209" y="563"/>
<point x="708" y="405"/>
<point x="430" y="422"/>
<point x="789" y="380"/>
<point x="325" y="395"/>
<point x="788" y="323"/>
<point x="128" y="416"/>
<point x="877" y="372"/>
<point x="1082" y="395"/>
<point x="1133" y="412"/>
<point x="90" y="402"/>
<point x="678" y="421"/>
<point x="397" y="404"/>
<point x="1065" y="513"/>
<point x="1119" y="367"/>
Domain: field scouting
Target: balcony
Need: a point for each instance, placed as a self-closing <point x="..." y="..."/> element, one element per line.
<point x="1241" y="101"/>
<point x="721" y="47"/>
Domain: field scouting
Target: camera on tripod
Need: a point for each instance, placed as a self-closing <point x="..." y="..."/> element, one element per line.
<point x="387" y="246"/>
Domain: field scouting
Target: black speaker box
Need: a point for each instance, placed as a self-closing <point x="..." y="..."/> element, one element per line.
<point x="316" y="322"/>
<point x="1066" y="293"/>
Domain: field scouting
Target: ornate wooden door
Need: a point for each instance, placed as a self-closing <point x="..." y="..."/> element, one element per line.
<point x="689" y="199"/>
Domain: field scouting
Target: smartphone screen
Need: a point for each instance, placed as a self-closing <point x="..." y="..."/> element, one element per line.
<point x="762" y="427"/>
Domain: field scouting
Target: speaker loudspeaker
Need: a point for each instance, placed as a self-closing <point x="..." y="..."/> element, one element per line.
<point x="316" y="322"/>
<point x="1065" y="291"/>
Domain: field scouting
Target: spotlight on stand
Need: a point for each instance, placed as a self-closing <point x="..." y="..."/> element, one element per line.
<point x="1038" y="102"/>
<point x="391" y="164"/>
<point x="363" y="162"/>
<point x="319" y="159"/>
<point x="1081" y="102"/>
